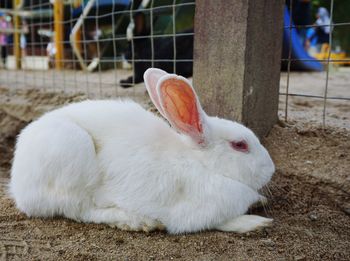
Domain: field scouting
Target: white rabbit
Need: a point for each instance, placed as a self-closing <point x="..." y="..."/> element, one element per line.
<point x="113" y="162"/>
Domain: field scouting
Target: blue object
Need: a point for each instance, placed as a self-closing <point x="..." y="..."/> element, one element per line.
<point x="298" y="51"/>
<point x="110" y="2"/>
<point x="103" y="4"/>
<point x="311" y="35"/>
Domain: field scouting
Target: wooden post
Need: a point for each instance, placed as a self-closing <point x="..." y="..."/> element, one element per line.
<point x="237" y="55"/>
<point x="17" y="34"/>
<point x="59" y="33"/>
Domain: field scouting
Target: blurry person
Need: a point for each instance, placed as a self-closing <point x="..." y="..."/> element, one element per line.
<point x="304" y="18"/>
<point x="301" y="14"/>
<point x="163" y="51"/>
<point x="320" y="34"/>
<point x="51" y="52"/>
<point x="4" y="26"/>
<point x="324" y="23"/>
<point x="23" y="39"/>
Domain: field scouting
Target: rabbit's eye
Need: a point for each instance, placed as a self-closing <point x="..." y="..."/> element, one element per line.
<point x="241" y="146"/>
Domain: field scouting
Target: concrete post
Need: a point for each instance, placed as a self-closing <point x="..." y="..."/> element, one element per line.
<point x="237" y="55"/>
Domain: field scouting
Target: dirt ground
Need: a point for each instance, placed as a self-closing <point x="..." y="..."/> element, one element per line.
<point x="309" y="201"/>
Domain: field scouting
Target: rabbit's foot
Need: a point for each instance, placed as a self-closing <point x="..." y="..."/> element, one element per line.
<point x="149" y="225"/>
<point x="145" y="224"/>
<point x="116" y="217"/>
<point x="245" y="223"/>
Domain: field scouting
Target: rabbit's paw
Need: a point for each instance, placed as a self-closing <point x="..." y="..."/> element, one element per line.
<point x="245" y="223"/>
<point x="149" y="225"/>
<point x="138" y="224"/>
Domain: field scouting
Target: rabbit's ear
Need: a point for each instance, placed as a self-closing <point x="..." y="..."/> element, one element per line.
<point x="151" y="77"/>
<point x="181" y="106"/>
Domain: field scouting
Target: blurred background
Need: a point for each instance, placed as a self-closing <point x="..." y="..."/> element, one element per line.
<point x="102" y="47"/>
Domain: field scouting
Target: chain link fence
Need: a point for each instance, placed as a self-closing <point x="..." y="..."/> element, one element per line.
<point x="98" y="47"/>
<point x="102" y="47"/>
<point x="316" y="41"/>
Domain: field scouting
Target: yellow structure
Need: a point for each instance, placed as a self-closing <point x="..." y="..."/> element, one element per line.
<point x="339" y="56"/>
<point x="17" y="36"/>
<point x="59" y="33"/>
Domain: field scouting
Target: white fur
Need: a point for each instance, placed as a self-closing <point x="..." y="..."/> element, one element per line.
<point x="245" y="223"/>
<point x="114" y="162"/>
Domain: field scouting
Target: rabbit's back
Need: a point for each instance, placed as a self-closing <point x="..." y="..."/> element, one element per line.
<point x="108" y="120"/>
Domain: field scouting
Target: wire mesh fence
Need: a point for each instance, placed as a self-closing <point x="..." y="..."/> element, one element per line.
<point x="99" y="47"/>
<point x="328" y="84"/>
<point x="102" y="47"/>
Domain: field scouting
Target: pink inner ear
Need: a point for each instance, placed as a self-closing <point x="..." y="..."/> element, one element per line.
<point x="152" y="77"/>
<point x="180" y="104"/>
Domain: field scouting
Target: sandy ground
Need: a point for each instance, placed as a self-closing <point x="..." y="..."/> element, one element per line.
<point x="105" y="84"/>
<point x="308" y="109"/>
<point x="309" y="198"/>
<point x="102" y="84"/>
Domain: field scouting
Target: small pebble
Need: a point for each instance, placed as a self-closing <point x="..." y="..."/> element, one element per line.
<point x="308" y="233"/>
<point x="347" y="211"/>
<point x="299" y="258"/>
<point x="268" y="242"/>
<point x="313" y="217"/>
<point x="119" y="240"/>
<point x="281" y="259"/>
<point x="342" y="155"/>
<point x="308" y="162"/>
